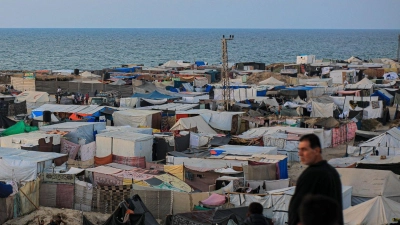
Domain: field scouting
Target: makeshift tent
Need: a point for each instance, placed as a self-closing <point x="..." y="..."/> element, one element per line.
<point x="385" y="96"/>
<point x="37" y="141"/>
<point x="328" y="123"/>
<point x="153" y="95"/>
<point x="22" y="165"/>
<point x="20" y="127"/>
<point x="387" y="143"/>
<point x="320" y="109"/>
<point x="364" y="84"/>
<point x="77" y="130"/>
<point x="118" y="82"/>
<point x="390" y="163"/>
<point x="379" y="210"/>
<point x="134" y="118"/>
<point x="88" y="74"/>
<point x="83" y="110"/>
<point x="172" y="64"/>
<point x="34" y="99"/>
<point x="390" y="76"/>
<point x="271" y="81"/>
<point x="5" y="122"/>
<point x="346" y="162"/>
<point x="368" y="184"/>
<point x="125" y="144"/>
<point x="193" y="122"/>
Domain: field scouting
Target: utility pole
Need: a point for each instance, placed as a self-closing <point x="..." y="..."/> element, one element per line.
<point x="225" y="71"/>
<point x="398" y="50"/>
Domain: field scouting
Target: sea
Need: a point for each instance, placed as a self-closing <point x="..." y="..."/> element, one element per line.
<point x="89" y="49"/>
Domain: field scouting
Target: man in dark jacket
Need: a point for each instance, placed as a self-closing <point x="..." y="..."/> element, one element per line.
<point x="319" y="209"/>
<point x="255" y="215"/>
<point x="318" y="179"/>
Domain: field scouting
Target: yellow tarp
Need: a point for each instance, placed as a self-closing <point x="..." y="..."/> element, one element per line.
<point x="174" y="181"/>
<point x="31" y="190"/>
<point x="176" y="170"/>
<point x="141" y="183"/>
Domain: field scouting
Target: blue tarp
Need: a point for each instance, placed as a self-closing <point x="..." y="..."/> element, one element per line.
<point x="5" y="190"/>
<point x="126" y="70"/>
<point x="384" y="96"/>
<point x="178" y="84"/>
<point x="208" y="88"/>
<point x="125" y="77"/>
<point x="262" y="93"/>
<point x="283" y="172"/>
<point x="200" y="63"/>
<point x="276" y="88"/>
<point x="153" y="95"/>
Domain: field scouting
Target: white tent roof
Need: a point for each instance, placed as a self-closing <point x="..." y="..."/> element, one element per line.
<point x="191" y="122"/>
<point x="362" y="84"/>
<point x="379" y="210"/>
<point x="118" y="82"/>
<point x="134" y="118"/>
<point x="172" y="64"/>
<point x="353" y="60"/>
<point x="370" y="183"/>
<point x="33" y="97"/>
<point x="390" y="138"/>
<point x="88" y="74"/>
<point x="272" y="81"/>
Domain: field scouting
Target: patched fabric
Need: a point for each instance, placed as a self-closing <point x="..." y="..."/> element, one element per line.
<point x="69" y="148"/>
<point x="88" y="151"/>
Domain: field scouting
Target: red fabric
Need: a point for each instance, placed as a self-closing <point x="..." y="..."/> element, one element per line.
<point x="130" y="161"/>
<point x="343" y="134"/>
<point x="65" y="196"/>
<point x="103" y="160"/>
<point x="178" y="116"/>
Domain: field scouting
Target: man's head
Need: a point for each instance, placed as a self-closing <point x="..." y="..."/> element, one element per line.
<point x="255" y="208"/>
<point x="319" y="209"/>
<point x="310" y="149"/>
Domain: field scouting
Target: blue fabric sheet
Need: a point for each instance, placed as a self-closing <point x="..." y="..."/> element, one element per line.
<point x="5" y="190"/>
<point x="283" y="172"/>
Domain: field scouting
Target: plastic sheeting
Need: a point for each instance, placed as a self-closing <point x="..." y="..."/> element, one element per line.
<point x="128" y="102"/>
<point x="18" y="170"/>
<point x="77" y="130"/>
<point x="322" y="109"/>
<point x="191" y="122"/>
<point x="134" y="118"/>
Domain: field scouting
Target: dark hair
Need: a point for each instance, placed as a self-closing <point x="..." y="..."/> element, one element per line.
<point x="312" y="139"/>
<point x="319" y="209"/>
<point x="256" y="208"/>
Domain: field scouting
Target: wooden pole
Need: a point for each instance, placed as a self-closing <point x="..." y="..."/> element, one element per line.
<point x="28" y="199"/>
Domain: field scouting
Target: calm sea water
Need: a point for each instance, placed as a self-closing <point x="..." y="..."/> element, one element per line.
<point x="101" y="48"/>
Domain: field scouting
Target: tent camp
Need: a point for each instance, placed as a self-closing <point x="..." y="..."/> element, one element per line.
<point x="271" y="81"/>
<point x="322" y="107"/>
<point x="136" y="118"/>
<point x="364" y="84"/>
<point x="34" y="99"/>
<point x="379" y="210"/>
<point x="368" y="184"/>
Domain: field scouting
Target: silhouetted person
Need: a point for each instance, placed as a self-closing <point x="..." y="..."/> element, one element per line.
<point x="318" y="179"/>
<point x="319" y="209"/>
<point x="255" y="215"/>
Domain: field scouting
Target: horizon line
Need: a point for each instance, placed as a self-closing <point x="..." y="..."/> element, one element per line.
<point x="238" y="28"/>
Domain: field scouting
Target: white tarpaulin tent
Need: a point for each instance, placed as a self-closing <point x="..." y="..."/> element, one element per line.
<point x="126" y="144"/>
<point x="368" y="184"/>
<point x="390" y="138"/>
<point x="172" y="64"/>
<point x="192" y="122"/>
<point x="34" y="99"/>
<point x="320" y="109"/>
<point x="362" y="84"/>
<point x="276" y="202"/>
<point x="88" y="74"/>
<point x="77" y="130"/>
<point x="217" y="120"/>
<point x="118" y="82"/>
<point x="271" y="81"/>
<point x="379" y="210"/>
<point x="134" y="118"/>
<point x="22" y="165"/>
<point x="28" y="139"/>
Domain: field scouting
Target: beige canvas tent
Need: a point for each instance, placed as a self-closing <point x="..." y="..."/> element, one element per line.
<point x="379" y="210"/>
<point x="34" y="99"/>
<point x="368" y="184"/>
<point x="192" y="122"/>
<point x="134" y="118"/>
<point x="272" y="81"/>
<point x="172" y="64"/>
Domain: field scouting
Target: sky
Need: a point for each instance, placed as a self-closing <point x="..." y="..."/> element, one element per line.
<point x="275" y="14"/>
